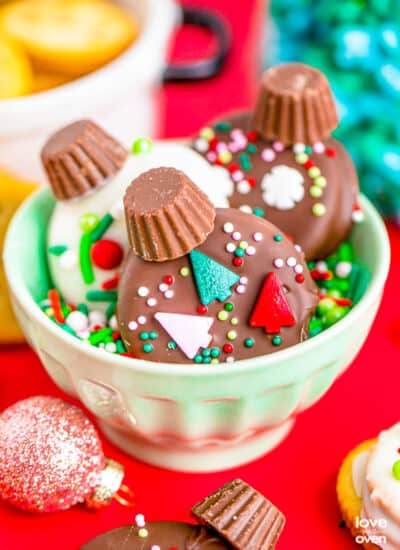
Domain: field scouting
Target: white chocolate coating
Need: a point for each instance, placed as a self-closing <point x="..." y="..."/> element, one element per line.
<point x="380" y="491"/>
<point x="65" y="227"/>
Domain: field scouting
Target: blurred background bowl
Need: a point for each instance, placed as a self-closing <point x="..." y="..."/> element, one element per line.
<point x="119" y="96"/>
<point x="189" y="417"/>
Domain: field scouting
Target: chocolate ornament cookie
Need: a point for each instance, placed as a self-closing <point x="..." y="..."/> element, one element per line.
<point x="88" y="171"/>
<point x="283" y="162"/>
<point x="206" y="286"/>
<point x="234" y="517"/>
<point x="159" y="535"/>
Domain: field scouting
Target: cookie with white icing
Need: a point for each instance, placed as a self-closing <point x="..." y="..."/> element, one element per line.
<point x="88" y="172"/>
<point x="369" y="491"/>
<point x="283" y="162"/>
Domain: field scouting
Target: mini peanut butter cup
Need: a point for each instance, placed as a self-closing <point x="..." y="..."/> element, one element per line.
<point x="167" y="215"/>
<point x="80" y="158"/>
<point x="295" y="105"/>
<point x="242" y="516"/>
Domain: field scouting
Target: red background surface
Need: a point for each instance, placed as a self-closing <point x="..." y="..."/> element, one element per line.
<point x="300" y="475"/>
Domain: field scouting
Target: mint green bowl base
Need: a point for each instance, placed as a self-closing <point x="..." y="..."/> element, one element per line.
<point x="189" y="417"/>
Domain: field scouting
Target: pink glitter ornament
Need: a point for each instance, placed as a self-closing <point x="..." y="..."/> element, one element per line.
<point x="51" y="458"/>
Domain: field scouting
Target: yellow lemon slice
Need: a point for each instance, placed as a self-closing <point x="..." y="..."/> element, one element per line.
<point x="69" y="36"/>
<point x="15" y="70"/>
<point x="43" y="80"/>
<point x="12" y="193"/>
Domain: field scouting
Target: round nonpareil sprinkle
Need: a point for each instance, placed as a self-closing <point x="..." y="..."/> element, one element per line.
<point x="319" y="209"/>
<point x="185" y="272"/>
<point x="268" y="155"/>
<point x="143" y="291"/>
<point x="276" y="340"/>
<point x="228" y="228"/>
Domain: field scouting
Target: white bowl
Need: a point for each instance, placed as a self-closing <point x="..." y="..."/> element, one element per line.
<point x="189" y="417"/>
<point x="119" y="96"/>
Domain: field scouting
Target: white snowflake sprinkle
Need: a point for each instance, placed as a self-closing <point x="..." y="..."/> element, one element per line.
<point x="282" y="187"/>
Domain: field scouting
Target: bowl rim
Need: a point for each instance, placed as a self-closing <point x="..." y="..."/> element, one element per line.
<point x="375" y="288"/>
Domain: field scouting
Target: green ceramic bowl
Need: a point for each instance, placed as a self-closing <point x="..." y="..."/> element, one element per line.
<point x="193" y="417"/>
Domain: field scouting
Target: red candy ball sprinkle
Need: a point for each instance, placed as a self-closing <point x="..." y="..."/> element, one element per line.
<point x="300" y="278"/>
<point x="309" y="164"/>
<point x="237" y="261"/>
<point x="233" y="168"/>
<point x="228" y="348"/>
<point x="168" y="279"/>
<point x="107" y="254"/>
<point x="252" y="136"/>
<point x="202" y="310"/>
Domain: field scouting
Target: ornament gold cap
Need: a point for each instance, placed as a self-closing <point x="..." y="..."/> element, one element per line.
<point x="110" y="483"/>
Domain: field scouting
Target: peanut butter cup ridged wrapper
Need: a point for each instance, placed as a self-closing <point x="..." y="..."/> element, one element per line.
<point x="295" y="105"/>
<point x="80" y="158"/>
<point x="242" y="516"/>
<point x="167" y="215"/>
